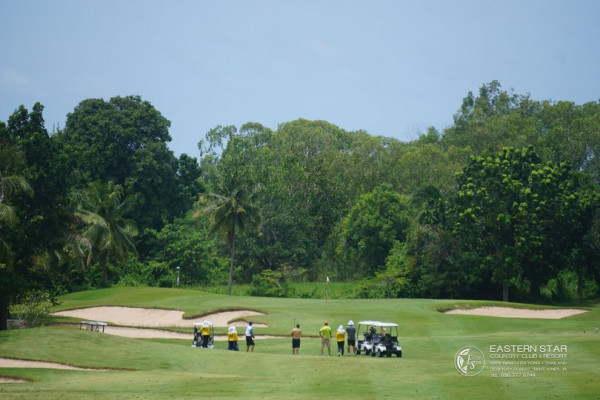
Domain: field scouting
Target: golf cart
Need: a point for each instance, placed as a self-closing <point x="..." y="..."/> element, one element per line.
<point x="205" y="341"/>
<point x="379" y="339"/>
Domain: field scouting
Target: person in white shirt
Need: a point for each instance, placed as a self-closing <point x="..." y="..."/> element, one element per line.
<point x="249" y="337"/>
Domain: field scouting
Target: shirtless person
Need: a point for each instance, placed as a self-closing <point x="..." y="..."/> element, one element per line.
<point x="296" y="333"/>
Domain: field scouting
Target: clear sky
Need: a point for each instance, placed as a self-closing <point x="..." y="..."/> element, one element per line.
<point x="389" y="67"/>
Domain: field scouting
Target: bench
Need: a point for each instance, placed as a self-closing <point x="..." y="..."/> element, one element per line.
<point x="93" y="326"/>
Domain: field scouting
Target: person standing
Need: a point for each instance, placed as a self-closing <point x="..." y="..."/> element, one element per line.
<point x="250" y="338"/>
<point x="351" y="335"/>
<point x="232" y="339"/>
<point x="205" y="333"/>
<point x="340" y="335"/>
<point x="296" y="333"/>
<point x="325" y="334"/>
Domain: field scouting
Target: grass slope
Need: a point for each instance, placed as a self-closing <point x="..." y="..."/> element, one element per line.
<point x="161" y="369"/>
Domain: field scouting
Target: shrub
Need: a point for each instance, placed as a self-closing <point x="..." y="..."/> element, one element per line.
<point x="34" y="307"/>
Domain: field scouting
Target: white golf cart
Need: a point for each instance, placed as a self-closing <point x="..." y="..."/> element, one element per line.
<point x="200" y="340"/>
<point x="379" y="339"/>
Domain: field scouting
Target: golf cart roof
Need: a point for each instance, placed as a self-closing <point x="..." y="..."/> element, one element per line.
<point x="386" y="324"/>
<point x="202" y="323"/>
<point x="369" y="322"/>
<point x="378" y="323"/>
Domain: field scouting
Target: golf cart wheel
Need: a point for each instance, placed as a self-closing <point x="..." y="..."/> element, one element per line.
<point x="399" y="354"/>
<point x="358" y="352"/>
<point x="379" y="353"/>
<point x="389" y="354"/>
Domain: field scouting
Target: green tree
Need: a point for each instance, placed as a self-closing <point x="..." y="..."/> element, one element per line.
<point x="125" y="140"/>
<point x="370" y="230"/>
<point x="187" y="245"/>
<point x="229" y="209"/>
<point x="519" y="215"/>
<point x="108" y="234"/>
<point x="8" y="219"/>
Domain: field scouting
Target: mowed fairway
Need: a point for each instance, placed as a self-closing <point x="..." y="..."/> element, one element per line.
<point x="172" y="369"/>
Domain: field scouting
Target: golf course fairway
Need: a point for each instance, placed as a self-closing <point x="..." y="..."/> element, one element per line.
<point x="445" y="356"/>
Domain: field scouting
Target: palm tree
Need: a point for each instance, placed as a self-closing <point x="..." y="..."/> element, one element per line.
<point x="8" y="218"/>
<point x="229" y="209"/>
<point x="106" y="233"/>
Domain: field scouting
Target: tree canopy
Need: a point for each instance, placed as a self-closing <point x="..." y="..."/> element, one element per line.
<point x="504" y="203"/>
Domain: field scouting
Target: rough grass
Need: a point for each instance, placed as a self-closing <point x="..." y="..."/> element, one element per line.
<point x="161" y="369"/>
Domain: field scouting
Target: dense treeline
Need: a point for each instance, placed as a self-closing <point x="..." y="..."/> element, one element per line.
<point x="505" y="202"/>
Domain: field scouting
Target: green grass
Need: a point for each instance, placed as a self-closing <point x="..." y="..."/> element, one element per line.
<point x="312" y="290"/>
<point x="167" y="369"/>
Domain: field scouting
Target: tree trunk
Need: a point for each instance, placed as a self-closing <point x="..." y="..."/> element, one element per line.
<point x="505" y="292"/>
<point x="103" y="263"/>
<point x="231" y="261"/>
<point x="3" y="313"/>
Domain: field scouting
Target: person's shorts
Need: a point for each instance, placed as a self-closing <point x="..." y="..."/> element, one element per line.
<point x="249" y="341"/>
<point x="352" y="342"/>
<point x="325" y="340"/>
<point x="232" y="346"/>
<point x="295" y="343"/>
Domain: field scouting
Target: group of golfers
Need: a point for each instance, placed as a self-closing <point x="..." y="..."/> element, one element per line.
<point x="326" y="335"/>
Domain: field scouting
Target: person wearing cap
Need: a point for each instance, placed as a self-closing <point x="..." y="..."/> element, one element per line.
<point x="325" y="334"/>
<point x="232" y="339"/>
<point x="340" y="335"/>
<point x="296" y="333"/>
<point x="351" y="334"/>
<point x="250" y="337"/>
<point x="205" y="333"/>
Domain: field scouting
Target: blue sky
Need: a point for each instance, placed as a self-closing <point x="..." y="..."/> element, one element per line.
<point x="389" y="67"/>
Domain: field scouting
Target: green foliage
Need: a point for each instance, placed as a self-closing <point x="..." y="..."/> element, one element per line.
<point x="230" y="206"/>
<point x="188" y="245"/>
<point x="275" y="283"/>
<point x="151" y="273"/>
<point x="369" y="231"/>
<point x="106" y="233"/>
<point x="124" y="140"/>
<point x="33" y="307"/>
<point x="521" y="217"/>
<point x="515" y="218"/>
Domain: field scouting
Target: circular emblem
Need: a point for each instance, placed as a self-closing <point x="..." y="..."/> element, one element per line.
<point x="469" y="361"/>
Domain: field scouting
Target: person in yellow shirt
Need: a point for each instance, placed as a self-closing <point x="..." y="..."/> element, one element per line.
<point x="205" y="333"/>
<point x="340" y="335"/>
<point x="232" y="339"/>
<point x="325" y="334"/>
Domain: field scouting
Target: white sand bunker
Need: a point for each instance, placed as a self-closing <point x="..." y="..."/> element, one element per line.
<point x="11" y="380"/>
<point x="146" y="317"/>
<point x="144" y="333"/>
<point x="14" y="363"/>
<point x="508" y="312"/>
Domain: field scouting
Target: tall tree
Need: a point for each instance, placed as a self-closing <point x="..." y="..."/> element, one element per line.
<point x="519" y="215"/>
<point x="108" y="233"/>
<point x="125" y="140"/>
<point x="8" y="219"/>
<point x="230" y="210"/>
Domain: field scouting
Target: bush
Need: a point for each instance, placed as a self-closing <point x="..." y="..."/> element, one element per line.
<point x="34" y="308"/>
<point x="276" y="283"/>
<point x="152" y="273"/>
<point x="562" y="288"/>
